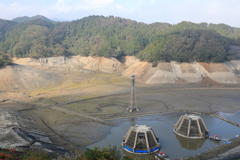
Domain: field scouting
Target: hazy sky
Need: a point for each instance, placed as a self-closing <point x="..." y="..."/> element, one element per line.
<point x="147" y="11"/>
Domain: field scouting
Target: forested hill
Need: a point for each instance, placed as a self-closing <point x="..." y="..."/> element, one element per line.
<point x="114" y="36"/>
<point x="26" y="18"/>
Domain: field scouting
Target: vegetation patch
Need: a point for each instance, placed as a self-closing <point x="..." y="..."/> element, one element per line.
<point x="4" y="59"/>
<point x="114" y="37"/>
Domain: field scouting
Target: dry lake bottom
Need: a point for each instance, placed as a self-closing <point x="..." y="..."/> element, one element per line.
<point x="77" y="119"/>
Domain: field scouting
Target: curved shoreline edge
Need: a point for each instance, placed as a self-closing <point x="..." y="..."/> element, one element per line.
<point x="222" y="152"/>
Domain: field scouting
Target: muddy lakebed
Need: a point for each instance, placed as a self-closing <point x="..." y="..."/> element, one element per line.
<point x="70" y="116"/>
<point x="93" y="134"/>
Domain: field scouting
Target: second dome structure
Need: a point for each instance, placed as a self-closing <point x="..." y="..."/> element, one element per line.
<point x="191" y="126"/>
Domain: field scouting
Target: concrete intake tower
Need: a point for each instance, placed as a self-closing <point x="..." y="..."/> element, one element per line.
<point x="140" y="139"/>
<point x="191" y="126"/>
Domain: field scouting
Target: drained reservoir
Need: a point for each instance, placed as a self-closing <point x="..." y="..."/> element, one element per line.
<point x="174" y="145"/>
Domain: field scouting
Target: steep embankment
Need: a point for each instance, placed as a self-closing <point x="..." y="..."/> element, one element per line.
<point x="205" y="73"/>
<point x="163" y="73"/>
<point x="188" y="72"/>
<point x="28" y="73"/>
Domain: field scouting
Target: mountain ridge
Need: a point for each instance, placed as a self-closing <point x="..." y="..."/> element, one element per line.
<point x="26" y="18"/>
<point x="115" y="36"/>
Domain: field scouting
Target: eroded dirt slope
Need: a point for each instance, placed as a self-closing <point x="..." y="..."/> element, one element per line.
<point x="20" y="77"/>
<point x="102" y="64"/>
<point x="28" y="73"/>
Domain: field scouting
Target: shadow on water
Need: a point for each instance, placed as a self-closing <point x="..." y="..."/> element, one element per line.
<point x="174" y="145"/>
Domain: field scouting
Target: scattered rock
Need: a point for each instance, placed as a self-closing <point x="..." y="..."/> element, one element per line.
<point x="8" y="120"/>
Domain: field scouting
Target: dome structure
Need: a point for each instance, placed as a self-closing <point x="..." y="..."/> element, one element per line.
<point x="140" y="139"/>
<point x="191" y="126"/>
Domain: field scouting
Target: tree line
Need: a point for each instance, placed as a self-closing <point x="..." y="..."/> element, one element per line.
<point x="4" y="59"/>
<point x="114" y="36"/>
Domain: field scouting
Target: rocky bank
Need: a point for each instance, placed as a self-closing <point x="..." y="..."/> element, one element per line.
<point x="9" y="119"/>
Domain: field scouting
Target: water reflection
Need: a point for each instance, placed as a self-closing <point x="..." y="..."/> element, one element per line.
<point x="133" y="122"/>
<point x="190" y="144"/>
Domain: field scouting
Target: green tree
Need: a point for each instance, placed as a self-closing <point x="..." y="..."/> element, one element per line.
<point x="114" y="36"/>
<point x="4" y="59"/>
<point x="108" y="153"/>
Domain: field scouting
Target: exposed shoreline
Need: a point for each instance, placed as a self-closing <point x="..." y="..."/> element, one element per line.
<point x="57" y="136"/>
<point x="222" y="152"/>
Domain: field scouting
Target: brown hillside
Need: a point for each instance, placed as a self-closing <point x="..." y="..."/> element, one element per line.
<point x="20" y="77"/>
<point x="214" y="67"/>
<point x="187" y="68"/>
<point x="138" y="69"/>
<point x="164" y="66"/>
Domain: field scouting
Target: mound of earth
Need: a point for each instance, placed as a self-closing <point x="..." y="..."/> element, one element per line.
<point x="208" y="82"/>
